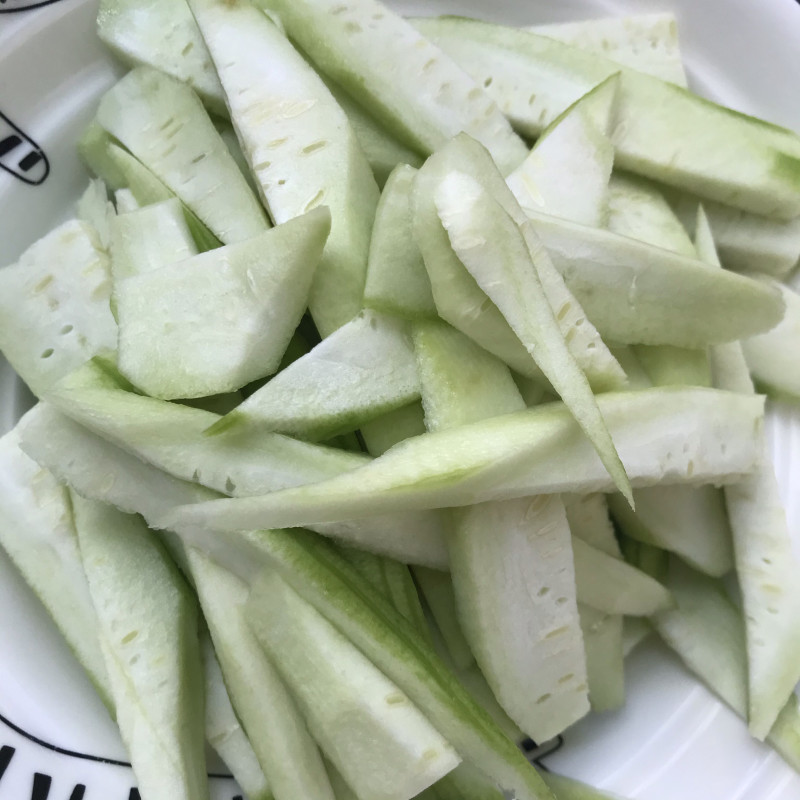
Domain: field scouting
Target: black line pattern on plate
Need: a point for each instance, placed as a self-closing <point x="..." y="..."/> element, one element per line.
<point x="19" y="154"/>
<point x="41" y="786"/>
<point x="6" y="754"/>
<point x="12" y="6"/>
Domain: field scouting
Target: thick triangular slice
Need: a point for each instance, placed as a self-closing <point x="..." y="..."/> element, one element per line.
<point x="493" y="249"/>
<point x="54" y="306"/>
<point x="567" y="171"/>
<point x="164" y="125"/>
<point x="147" y="621"/>
<point x="671" y="435"/>
<point x="363" y="370"/>
<point x="299" y="145"/>
<point x="38" y="533"/>
<point x="221" y="319"/>
<point x="397" y="282"/>
<point x="364" y="46"/>
<point x="380" y="742"/>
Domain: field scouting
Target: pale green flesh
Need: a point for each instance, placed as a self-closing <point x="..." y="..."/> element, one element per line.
<point x="96" y="210"/>
<point x="462" y="303"/>
<point x="566" y="173"/>
<point x="164" y="35"/>
<point x="274" y="724"/>
<point x="299" y="145"/>
<point x="378" y="739"/>
<point x="644" y="42"/>
<point x="667" y="365"/>
<point x="392" y="644"/>
<point x="363" y="370"/>
<point x="225" y="733"/>
<point x="363" y="45"/>
<point x="221" y="319"/>
<point x="662" y="131"/>
<point x="164" y="125"/>
<point x="125" y="201"/>
<point x="147" y="624"/>
<point x="476" y="225"/>
<point x="397" y="282"/>
<point x="54" y="306"/>
<point x="773" y="356"/>
<point x="602" y="640"/>
<point x="38" y="533"/>
<point x="669" y="435"/>
<point x="707" y="632"/>
<point x="392" y="428"/>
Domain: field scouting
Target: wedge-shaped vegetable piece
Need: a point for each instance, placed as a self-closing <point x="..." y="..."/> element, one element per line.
<point x="164" y="35"/>
<point x="662" y="131"/>
<point x="392" y="428"/>
<point x="567" y="171"/>
<point x="378" y="739"/>
<point x="38" y="533"/>
<point x="363" y="370"/>
<point x="397" y="282"/>
<point x="644" y="42"/>
<point x="54" y="306"/>
<point x="164" y="125"/>
<point x="169" y="437"/>
<point x="462" y="303"/>
<point x="97" y="210"/>
<point x="707" y="632"/>
<point x="326" y="581"/>
<point x="221" y="319"/>
<point x="224" y="731"/>
<point x="773" y="356"/>
<point x="671" y="435"/>
<point x="274" y="725"/>
<point x="589" y="519"/>
<point x="299" y="144"/>
<point x="147" y="620"/>
<point x="639" y="294"/>
<point x="638" y="209"/>
<point x="125" y="201"/>
<point x="363" y="47"/>
<point x="149" y="238"/>
<point x="494" y="251"/>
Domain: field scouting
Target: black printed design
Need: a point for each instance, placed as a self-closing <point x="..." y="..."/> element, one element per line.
<point x="6" y="754"/>
<point x="41" y="786"/>
<point x="19" y="154"/>
<point x="9" y="6"/>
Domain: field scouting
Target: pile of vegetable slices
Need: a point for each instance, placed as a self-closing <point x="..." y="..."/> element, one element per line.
<point x="396" y="379"/>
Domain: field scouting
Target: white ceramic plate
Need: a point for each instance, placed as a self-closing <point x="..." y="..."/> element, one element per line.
<point x="672" y="740"/>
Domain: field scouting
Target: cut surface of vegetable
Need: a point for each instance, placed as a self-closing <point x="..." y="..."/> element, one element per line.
<point x="363" y="370"/>
<point x="299" y="144"/>
<point x="380" y="742"/>
<point x="670" y="435"/>
<point x="164" y="125"/>
<point x="147" y="624"/>
<point x="221" y="319"/>
<point x="54" y="306"/>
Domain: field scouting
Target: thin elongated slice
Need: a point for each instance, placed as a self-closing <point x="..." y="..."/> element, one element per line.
<point x="325" y="580"/>
<point x="364" y="45"/>
<point x="380" y="742"/>
<point x="224" y="731"/>
<point x="639" y="294"/>
<point x="164" y="35"/>
<point x="169" y="437"/>
<point x="397" y="282"/>
<point x="645" y="42"/>
<point x="147" y="621"/>
<point x="662" y="131"/>
<point x="164" y="125"/>
<point x="149" y="238"/>
<point x="274" y="724"/>
<point x="667" y="365"/>
<point x="299" y="145"/>
<point x="462" y="303"/>
<point x="54" y="306"/>
<point x="670" y="435"/>
<point x="566" y="173"/>
<point x="773" y="356"/>
<point x="221" y="319"/>
<point x="97" y="210"/>
<point x="363" y="370"/>
<point x="494" y="251"/>
<point x="707" y="631"/>
<point x="38" y="533"/>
